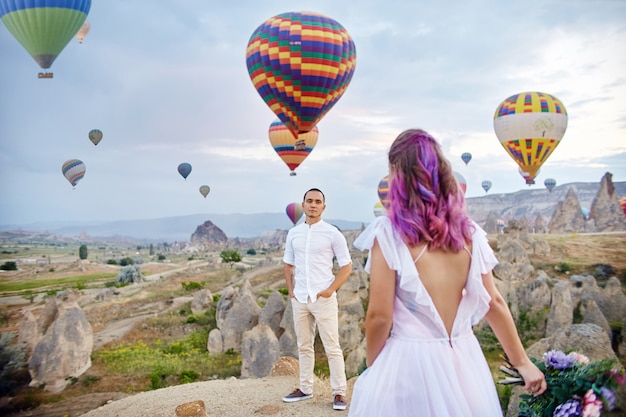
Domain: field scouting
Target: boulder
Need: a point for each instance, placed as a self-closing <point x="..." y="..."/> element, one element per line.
<point x="259" y="351"/>
<point x="561" y="312"/>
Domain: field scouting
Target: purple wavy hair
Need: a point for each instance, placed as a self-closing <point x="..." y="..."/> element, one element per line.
<point x="427" y="203"/>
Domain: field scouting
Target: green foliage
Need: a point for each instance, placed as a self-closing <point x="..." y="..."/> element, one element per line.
<point x="563" y="267"/>
<point x="29" y="295"/>
<point x="188" y="376"/>
<point x="80" y="285"/>
<point x="161" y="257"/>
<point x="216" y="297"/>
<point x="283" y="291"/>
<point x="251" y="252"/>
<point x="111" y="262"/>
<point x="9" y="266"/>
<point x="82" y="252"/>
<point x="230" y="256"/>
<point x="129" y="274"/>
<point x="126" y="261"/>
<point x="192" y="285"/>
<point x="12" y="364"/>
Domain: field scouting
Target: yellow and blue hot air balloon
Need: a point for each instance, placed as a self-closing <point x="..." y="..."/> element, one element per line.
<point x="44" y="27"/>
<point x="291" y="150"/>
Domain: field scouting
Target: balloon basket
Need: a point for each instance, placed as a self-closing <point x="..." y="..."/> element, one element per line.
<point x="292" y="174"/>
<point x="45" y="75"/>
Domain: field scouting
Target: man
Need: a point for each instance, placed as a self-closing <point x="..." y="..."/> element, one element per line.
<point x="308" y="266"/>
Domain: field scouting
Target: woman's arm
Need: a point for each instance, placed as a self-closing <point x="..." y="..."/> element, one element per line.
<point x="501" y="321"/>
<point x="379" y="315"/>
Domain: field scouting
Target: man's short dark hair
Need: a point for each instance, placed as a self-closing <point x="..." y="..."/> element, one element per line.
<point x="315" y="189"/>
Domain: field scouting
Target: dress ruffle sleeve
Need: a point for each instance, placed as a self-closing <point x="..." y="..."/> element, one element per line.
<point x="398" y="258"/>
<point x="483" y="261"/>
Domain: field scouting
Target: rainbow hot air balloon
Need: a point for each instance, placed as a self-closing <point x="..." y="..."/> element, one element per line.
<point x="466" y="157"/>
<point x="530" y="126"/>
<point x="184" y="169"/>
<point x="73" y="171"/>
<point x="204" y="190"/>
<point x="83" y="31"/>
<point x="44" y="27"/>
<point x="95" y="136"/>
<point x="300" y="64"/>
<point x="486" y="184"/>
<point x="461" y="180"/>
<point x="294" y="212"/>
<point x="291" y="150"/>
<point x="550" y="183"/>
<point x="383" y="192"/>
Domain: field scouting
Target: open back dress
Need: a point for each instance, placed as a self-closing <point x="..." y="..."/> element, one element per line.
<point x="421" y="370"/>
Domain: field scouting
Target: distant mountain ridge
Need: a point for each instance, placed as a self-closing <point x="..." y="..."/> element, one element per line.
<point x="524" y="203"/>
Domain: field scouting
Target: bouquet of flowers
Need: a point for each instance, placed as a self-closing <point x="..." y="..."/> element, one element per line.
<point x="577" y="387"/>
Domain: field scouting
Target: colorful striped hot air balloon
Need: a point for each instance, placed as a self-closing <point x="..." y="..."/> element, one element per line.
<point x="73" y="171"/>
<point x="383" y="192"/>
<point x="44" y="27"/>
<point x="300" y="64"/>
<point x="530" y="126"/>
<point x="550" y="183"/>
<point x="291" y="150"/>
<point x="622" y="202"/>
<point x="294" y="212"/>
<point x="379" y="209"/>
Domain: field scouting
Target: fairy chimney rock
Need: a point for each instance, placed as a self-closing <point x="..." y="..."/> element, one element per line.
<point x="606" y="210"/>
<point x="567" y="217"/>
<point x="209" y="235"/>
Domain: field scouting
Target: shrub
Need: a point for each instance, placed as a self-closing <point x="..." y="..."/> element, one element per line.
<point x="129" y="274"/>
<point x="192" y="285"/>
<point x="251" y="252"/>
<point x="111" y="262"/>
<point x="9" y="266"/>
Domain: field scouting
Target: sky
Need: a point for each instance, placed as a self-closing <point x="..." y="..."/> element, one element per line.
<point x="166" y="82"/>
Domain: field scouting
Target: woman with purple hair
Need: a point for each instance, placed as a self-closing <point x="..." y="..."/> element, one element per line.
<point x="430" y="282"/>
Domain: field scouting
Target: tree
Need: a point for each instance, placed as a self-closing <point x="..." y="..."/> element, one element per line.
<point x="82" y="252"/>
<point x="230" y="256"/>
<point x="129" y="274"/>
<point x="9" y="266"/>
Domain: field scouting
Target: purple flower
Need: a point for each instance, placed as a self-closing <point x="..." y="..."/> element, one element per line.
<point x="557" y="359"/>
<point x="609" y="398"/>
<point x="570" y="408"/>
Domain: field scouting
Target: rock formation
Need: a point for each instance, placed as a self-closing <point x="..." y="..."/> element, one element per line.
<point x="567" y="217"/>
<point x="606" y="210"/>
<point x="64" y="343"/>
<point x="208" y="235"/>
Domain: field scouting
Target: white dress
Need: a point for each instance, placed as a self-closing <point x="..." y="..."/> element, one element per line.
<point x="420" y="370"/>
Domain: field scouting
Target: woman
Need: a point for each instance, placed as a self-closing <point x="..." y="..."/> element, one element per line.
<point x="430" y="282"/>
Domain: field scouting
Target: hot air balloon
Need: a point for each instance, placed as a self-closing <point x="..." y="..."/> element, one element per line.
<point x="585" y="212"/>
<point x="95" y="136"/>
<point x="294" y="212"/>
<point x="550" y="183"/>
<point x="73" y="170"/>
<point x="530" y="126"/>
<point x="83" y="31"/>
<point x="291" y="150"/>
<point x="466" y="157"/>
<point x="379" y="209"/>
<point x="383" y="191"/>
<point x="622" y="202"/>
<point x="44" y="27"/>
<point x="486" y="185"/>
<point x="461" y="180"/>
<point x="184" y="169"/>
<point x="500" y="224"/>
<point x="300" y="64"/>
<point x="204" y="190"/>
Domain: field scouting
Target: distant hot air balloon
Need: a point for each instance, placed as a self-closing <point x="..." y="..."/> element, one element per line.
<point x="550" y="183"/>
<point x="291" y="150"/>
<point x="585" y="212"/>
<point x="73" y="170"/>
<point x="294" y="212"/>
<point x="500" y="224"/>
<point x="622" y="202"/>
<point x="466" y="157"/>
<point x="530" y="126"/>
<point x="204" y="190"/>
<point x="44" y="27"/>
<point x="83" y="31"/>
<point x="184" y="169"/>
<point x="461" y="180"/>
<point x="486" y="185"/>
<point x="95" y="136"/>
<point x="379" y="209"/>
<point x="383" y="192"/>
<point x="300" y="64"/>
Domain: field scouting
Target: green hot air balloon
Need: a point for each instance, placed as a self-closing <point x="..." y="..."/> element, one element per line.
<point x="44" y="27"/>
